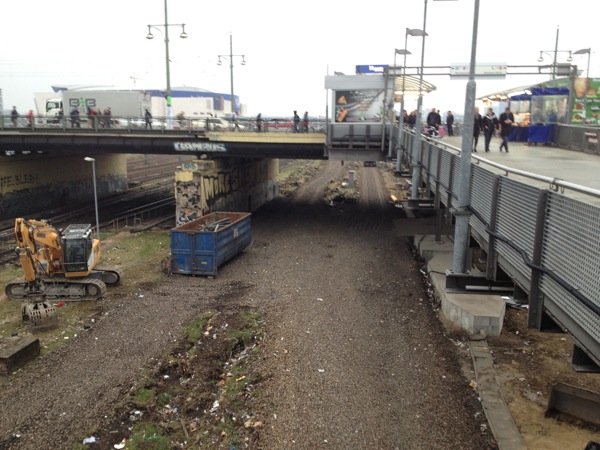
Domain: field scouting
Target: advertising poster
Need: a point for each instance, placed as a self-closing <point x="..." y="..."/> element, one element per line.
<point x="586" y="112"/>
<point x="358" y="106"/>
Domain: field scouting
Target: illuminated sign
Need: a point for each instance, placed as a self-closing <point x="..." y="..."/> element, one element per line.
<point x="372" y="68"/>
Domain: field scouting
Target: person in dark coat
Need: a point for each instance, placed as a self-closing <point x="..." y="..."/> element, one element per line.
<point x="477" y="125"/>
<point x="411" y="120"/>
<point x="450" y="123"/>
<point x="506" y="120"/>
<point x="490" y="124"/>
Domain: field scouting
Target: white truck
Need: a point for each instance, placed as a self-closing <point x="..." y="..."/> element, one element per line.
<point x="123" y="104"/>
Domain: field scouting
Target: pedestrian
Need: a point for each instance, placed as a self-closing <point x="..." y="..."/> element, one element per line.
<point x="477" y="124"/>
<point x="489" y="123"/>
<point x="30" y="117"/>
<point x="14" y="115"/>
<point x="107" y="114"/>
<point x="61" y="116"/>
<point x="75" y="123"/>
<point x="259" y="122"/>
<point x="296" y="121"/>
<point x="305" y="122"/>
<point x="411" y="120"/>
<point x="236" y="125"/>
<point x="450" y="123"/>
<point x="147" y="119"/>
<point x="506" y="120"/>
<point x="92" y="117"/>
<point x="434" y="120"/>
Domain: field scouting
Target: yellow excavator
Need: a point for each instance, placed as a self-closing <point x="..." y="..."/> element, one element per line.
<point x="58" y="265"/>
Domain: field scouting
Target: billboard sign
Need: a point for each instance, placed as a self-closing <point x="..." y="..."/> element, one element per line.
<point x="372" y="68"/>
<point x="359" y="105"/>
<point x="586" y="101"/>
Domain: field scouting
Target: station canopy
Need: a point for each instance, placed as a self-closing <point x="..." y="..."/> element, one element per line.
<point x="411" y="85"/>
<point x="545" y="88"/>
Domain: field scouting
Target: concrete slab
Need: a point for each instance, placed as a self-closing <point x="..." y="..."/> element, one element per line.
<point x="16" y="351"/>
<point x="472" y="312"/>
<point x="501" y="421"/>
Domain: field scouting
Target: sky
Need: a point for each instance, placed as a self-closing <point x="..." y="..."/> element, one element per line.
<point x="289" y="48"/>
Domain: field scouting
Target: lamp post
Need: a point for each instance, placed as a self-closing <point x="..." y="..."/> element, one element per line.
<point x="404" y="51"/>
<point x="93" y="161"/>
<point x="461" y="213"/>
<point x="416" y="148"/>
<point x="183" y="35"/>
<point x="230" y="59"/>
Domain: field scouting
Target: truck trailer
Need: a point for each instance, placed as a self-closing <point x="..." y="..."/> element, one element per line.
<point x="123" y="104"/>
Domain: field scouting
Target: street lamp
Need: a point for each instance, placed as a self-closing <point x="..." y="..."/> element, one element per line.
<point x="404" y="52"/>
<point x="183" y="35"/>
<point x="230" y="59"/>
<point x="93" y="161"/>
<point x="461" y="213"/>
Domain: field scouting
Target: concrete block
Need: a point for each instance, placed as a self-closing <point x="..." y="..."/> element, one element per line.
<point x="428" y="247"/>
<point x="16" y="351"/>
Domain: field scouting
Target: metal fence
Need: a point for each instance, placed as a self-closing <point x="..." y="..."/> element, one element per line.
<point x="547" y="242"/>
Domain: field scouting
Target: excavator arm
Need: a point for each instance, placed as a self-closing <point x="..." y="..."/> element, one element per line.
<point x="39" y="248"/>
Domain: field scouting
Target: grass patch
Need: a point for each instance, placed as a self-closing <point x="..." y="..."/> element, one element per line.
<point x="193" y="331"/>
<point x="147" y="436"/>
<point x="144" y="397"/>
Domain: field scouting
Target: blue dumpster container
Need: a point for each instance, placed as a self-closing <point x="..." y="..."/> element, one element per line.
<point x="200" y="247"/>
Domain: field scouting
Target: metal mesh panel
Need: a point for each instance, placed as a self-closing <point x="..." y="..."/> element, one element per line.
<point x="455" y="182"/>
<point x="571" y="248"/>
<point x="482" y="184"/>
<point x="580" y="313"/>
<point x="516" y="218"/>
<point x="445" y="162"/>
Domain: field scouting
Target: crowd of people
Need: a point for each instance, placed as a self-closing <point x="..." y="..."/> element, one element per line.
<point x="488" y="125"/>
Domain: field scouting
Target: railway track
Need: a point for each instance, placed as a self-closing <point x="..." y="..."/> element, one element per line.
<point x="149" y="200"/>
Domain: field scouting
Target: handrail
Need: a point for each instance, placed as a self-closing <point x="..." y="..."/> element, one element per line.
<point x="554" y="182"/>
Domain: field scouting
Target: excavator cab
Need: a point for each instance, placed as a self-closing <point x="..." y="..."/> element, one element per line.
<point x="78" y="249"/>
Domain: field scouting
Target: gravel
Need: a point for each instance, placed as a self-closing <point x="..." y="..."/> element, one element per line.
<point x="355" y="355"/>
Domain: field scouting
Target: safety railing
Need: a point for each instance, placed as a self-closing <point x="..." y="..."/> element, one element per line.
<point x="101" y="123"/>
<point x="534" y="229"/>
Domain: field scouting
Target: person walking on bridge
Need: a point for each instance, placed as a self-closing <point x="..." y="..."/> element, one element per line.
<point x="490" y="123"/>
<point x="259" y="122"/>
<point x="506" y="120"/>
<point x="296" y="121"/>
<point x="147" y="119"/>
<point x="305" y="123"/>
<point x="14" y="115"/>
<point x="477" y="124"/>
<point x="450" y="123"/>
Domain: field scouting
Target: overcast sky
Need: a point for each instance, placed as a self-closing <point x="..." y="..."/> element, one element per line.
<point x="289" y="46"/>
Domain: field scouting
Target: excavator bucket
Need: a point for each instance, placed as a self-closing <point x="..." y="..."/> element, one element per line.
<point x="41" y="315"/>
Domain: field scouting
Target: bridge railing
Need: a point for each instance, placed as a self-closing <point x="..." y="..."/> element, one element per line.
<point x="542" y="232"/>
<point x="102" y="123"/>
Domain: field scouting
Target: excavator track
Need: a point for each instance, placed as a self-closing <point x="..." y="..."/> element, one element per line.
<point x="57" y="288"/>
<point x="111" y="277"/>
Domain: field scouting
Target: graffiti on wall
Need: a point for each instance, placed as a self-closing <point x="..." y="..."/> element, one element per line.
<point x="234" y="188"/>
<point x="188" y="206"/>
<point x="15" y="182"/>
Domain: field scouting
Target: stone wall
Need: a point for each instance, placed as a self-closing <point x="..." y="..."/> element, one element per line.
<point x="204" y="186"/>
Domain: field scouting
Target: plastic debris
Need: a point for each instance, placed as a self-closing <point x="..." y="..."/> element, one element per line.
<point x="121" y="444"/>
<point x="90" y="440"/>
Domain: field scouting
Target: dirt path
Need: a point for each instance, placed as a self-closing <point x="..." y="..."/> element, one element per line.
<point x="354" y="355"/>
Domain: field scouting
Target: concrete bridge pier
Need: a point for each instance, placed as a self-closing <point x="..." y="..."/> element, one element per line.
<point x="204" y="186"/>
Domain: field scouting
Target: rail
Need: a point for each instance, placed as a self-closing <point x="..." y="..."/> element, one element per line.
<point x="545" y="240"/>
<point x="83" y="123"/>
